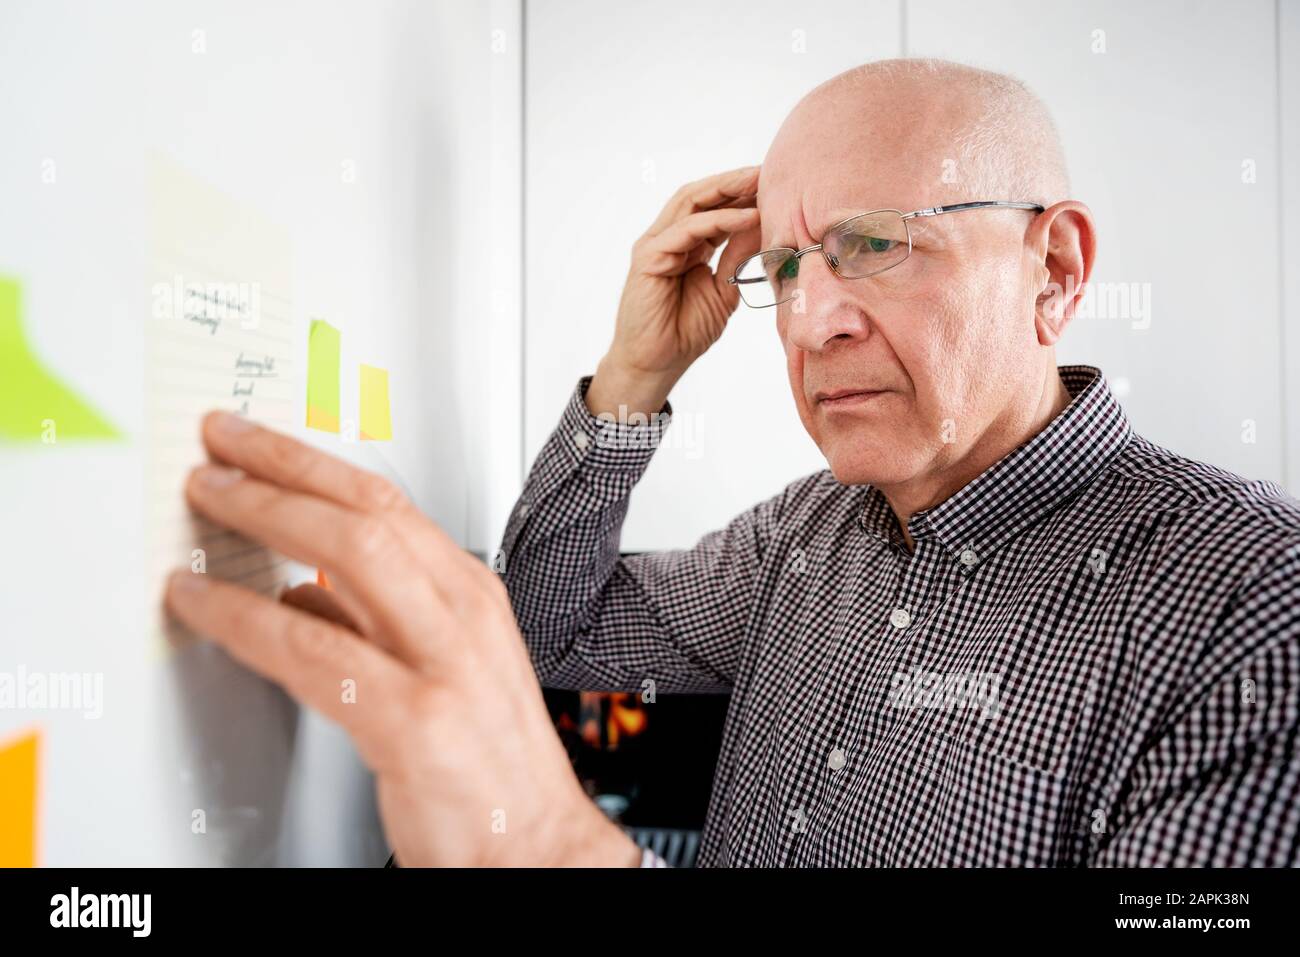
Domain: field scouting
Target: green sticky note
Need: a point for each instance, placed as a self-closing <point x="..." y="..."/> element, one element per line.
<point x="34" y="404"/>
<point x="323" y="342"/>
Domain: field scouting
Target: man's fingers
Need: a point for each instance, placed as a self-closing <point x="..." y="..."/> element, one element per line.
<point x="667" y="253"/>
<point x="319" y="602"/>
<point x="320" y="664"/>
<point x="732" y="188"/>
<point x="740" y="247"/>
<point x="288" y="463"/>
<point x="701" y="254"/>
<point x="284" y="461"/>
<point x="379" y="582"/>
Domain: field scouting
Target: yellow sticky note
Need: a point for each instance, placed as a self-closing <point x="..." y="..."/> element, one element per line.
<point x="34" y="405"/>
<point x="375" y="421"/>
<point x="18" y="764"/>
<point x="323" y="345"/>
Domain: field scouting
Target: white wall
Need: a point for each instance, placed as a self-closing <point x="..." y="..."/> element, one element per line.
<point x="1288" y="60"/>
<point x="280" y="98"/>
<point x="626" y="102"/>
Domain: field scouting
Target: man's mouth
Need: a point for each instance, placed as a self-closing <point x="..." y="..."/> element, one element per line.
<point x="847" y="398"/>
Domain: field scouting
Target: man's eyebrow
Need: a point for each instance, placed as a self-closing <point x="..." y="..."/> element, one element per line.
<point x="837" y="215"/>
<point x="918" y="227"/>
<point x="841" y="213"/>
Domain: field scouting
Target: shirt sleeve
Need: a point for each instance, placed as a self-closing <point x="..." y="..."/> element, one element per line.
<point x="650" y="859"/>
<point x="597" y="621"/>
<point x="1220" y="785"/>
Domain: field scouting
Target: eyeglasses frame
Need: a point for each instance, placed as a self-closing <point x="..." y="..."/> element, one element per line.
<point x="905" y="217"/>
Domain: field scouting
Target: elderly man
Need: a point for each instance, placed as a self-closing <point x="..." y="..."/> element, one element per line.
<point x="1001" y="629"/>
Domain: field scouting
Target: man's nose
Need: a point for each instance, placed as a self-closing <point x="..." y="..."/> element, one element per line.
<point x="821" y="311"/>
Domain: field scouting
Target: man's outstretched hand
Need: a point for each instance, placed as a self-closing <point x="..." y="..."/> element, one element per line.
<point x="415" y="652"/>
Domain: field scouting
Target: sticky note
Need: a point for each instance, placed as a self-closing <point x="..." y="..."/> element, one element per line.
<point x="323" y="342"/>
<point x="375" y="421"/>
<point x="34" y="405"/>
<point x="18" y="766"/>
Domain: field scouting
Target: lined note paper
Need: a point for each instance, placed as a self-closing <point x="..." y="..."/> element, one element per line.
<point x="323" y="348"/>
<point x="18" y="800"/>
<point x="35" y="405"/>
<point x="376" y="423"/>
<point x="220" y="337"/>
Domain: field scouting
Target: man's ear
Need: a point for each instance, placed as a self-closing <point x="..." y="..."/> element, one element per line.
<point x="1063" y="241"/>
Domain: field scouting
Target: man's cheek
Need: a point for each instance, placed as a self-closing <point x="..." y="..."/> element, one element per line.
<point x="794" y="373"/>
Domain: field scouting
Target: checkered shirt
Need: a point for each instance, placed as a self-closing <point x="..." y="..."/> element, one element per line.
<point x="1091" y="658"/>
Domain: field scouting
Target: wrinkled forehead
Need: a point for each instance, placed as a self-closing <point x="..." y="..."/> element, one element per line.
<point x="798" y="211"/>
<point x="834" y="160"/>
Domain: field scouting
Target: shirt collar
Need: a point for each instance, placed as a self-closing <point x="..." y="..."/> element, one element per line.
<point x="1024" y="486"/>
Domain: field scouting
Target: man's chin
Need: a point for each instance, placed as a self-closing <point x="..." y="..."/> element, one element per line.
<point x="867" y="467"/>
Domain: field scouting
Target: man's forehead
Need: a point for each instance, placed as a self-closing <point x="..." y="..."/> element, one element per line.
<point x="812" y="180"/>
<point x="788" y="220"/>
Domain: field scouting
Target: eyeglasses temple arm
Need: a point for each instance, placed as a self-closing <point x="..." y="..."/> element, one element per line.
<point x="959" y="207"/>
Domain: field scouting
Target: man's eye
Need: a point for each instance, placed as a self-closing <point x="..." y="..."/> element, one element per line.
<point x="875" y="244"/>
<point x="789" y="269"/>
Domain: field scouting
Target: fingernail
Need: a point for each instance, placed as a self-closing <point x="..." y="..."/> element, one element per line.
<point x="184" y="580"/>
<point x="218" y="476"/>
<point x="230" y="423"/>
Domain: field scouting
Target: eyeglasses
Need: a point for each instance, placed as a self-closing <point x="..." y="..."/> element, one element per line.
<point x="855" y="248"/>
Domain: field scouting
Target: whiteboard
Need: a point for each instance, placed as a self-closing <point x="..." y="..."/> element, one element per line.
<point x="356" y="133"/>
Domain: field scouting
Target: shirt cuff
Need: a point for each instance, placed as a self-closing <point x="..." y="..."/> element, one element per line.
<point x="650" y="859"/>
<point x="626" y="441"/>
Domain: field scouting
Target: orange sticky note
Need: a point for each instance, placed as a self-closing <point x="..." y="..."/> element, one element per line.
<point x="18" y="779"/>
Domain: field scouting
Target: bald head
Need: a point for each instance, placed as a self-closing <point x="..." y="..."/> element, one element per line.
<point x="966" y="133"/>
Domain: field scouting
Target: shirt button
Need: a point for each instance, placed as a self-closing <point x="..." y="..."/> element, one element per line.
<point x="899" y="618"/>
<point x="969" y="558"/>
<point x="581" y="440"/>
<point x="836" y="760"/>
